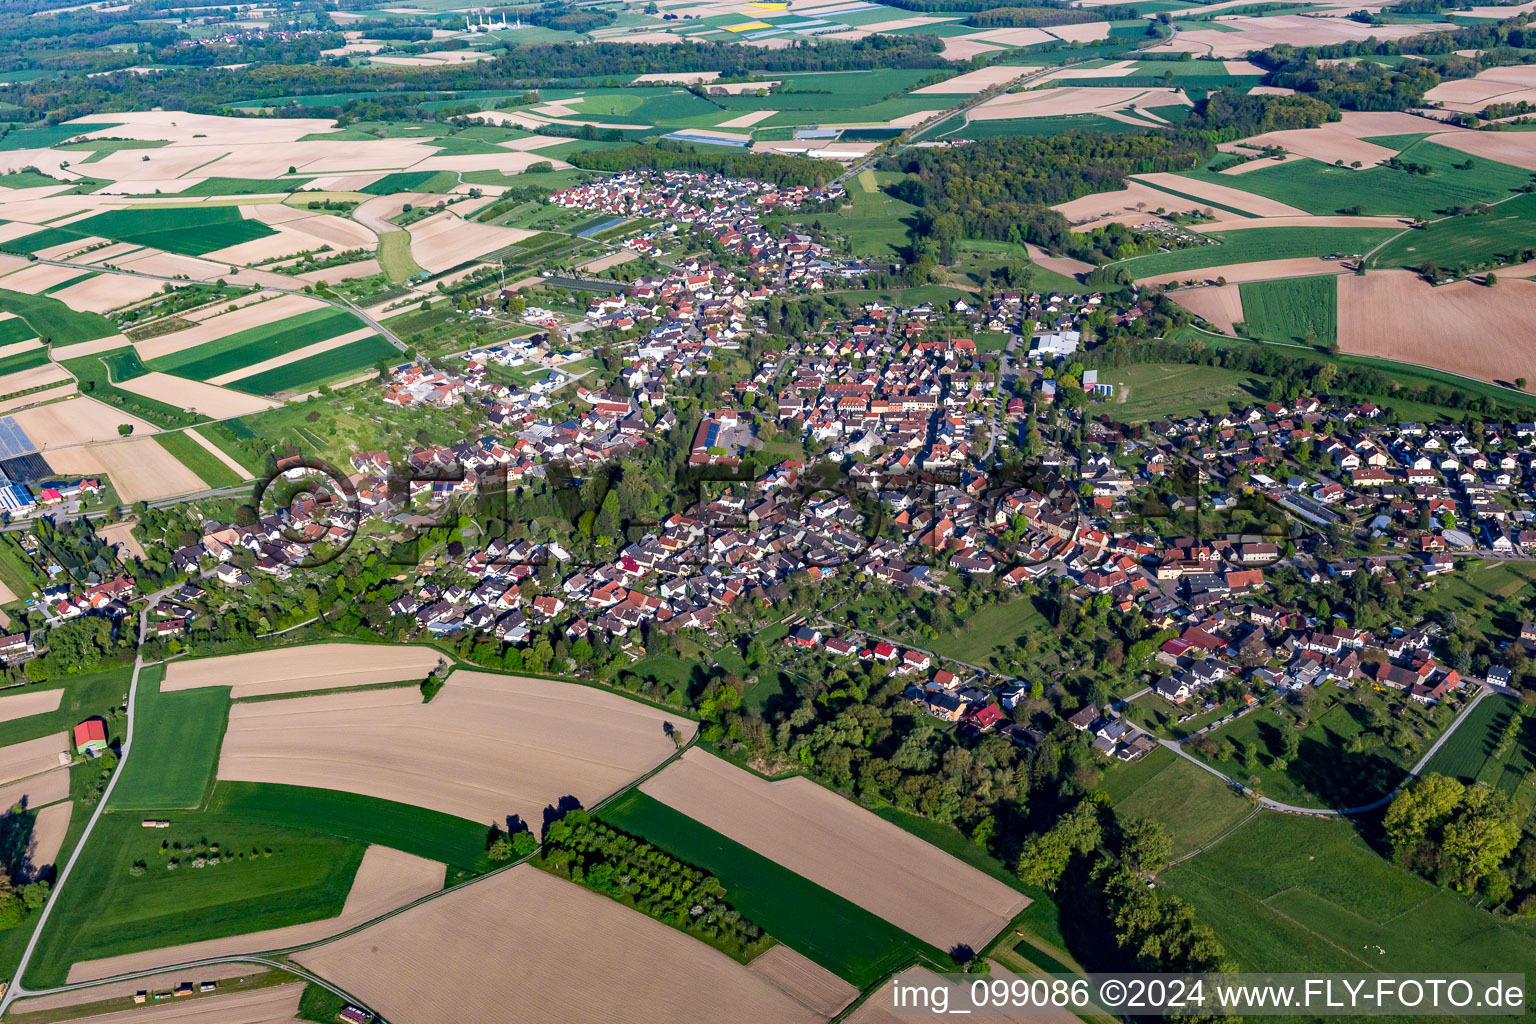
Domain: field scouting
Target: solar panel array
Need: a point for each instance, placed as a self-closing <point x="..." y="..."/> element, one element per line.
<point x="26" y="468"/>
<point x="13" y="440"/>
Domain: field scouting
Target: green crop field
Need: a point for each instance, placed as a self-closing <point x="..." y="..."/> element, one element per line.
<point x="1476" y="752"/>
<point x="53" y="321"/>
<point x="42" y="138"/>
<point x="1326" y="189"/>
<point x="1252" y="245"/>
<point x="318" y="369"/>
<point x="109" y="911"/>
<point x="1195" y="805"/>
<point x="395" y="256"/>
<point x="1499" y="236"/>
<point x="23" y="361"/>
<point x="457" y="842"/>
<point x="1290" y="310"/>
<point x="1291" y="893"/>
<point x="257" y="344"/>
<point x="844" y="938"/>
<point x="124" y="363"/>
<point x="411" y="181"/>
<point x="91" y="695"/>
<point x="244" y="186"/>
<point x="188" y="230"/>
<point x="176" y="739"/>
<point x="15" y="329"/>
<point x="209" y="467"/>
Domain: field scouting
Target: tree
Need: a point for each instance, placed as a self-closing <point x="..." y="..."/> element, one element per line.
<point x="1145" y="845"/>
<point x="1043" y="858"/>
<point x="125" y="429"/>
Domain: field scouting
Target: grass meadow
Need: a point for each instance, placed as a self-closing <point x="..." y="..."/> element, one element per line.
<point x="1326" y="190"/>
<point x="1195" y="805"/>
<point x="1290" y="893"/>
<point x="175" y="746"/>
<point x="109" y="910"/>
<point x="1499" y="235"/>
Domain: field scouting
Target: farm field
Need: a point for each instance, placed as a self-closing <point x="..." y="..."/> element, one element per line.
<point x="170" y="392"/>
<point x="123" y="990"/>
<point x="1258" y="245"/>
<point x="176" y="743"/>
<point x="385" y="879"/>
<point x="1295" y="310"/>
<point x="139" y="468"/>
<point x="432" y="835"/>
<point x="1323" y="189"/>
<point x="525" y="919"/>
<point x="108" y="911"/>
<point x="187" y="231"/>
<point x="312" y="371"/>
<point x="262" y="1005"/>
<point x="52" y="320"/>
<point x="836" y="844"/>
<point x="834" y="932"/>
<point x="263" y="310"/>
<point x="232" y="352"/>
<point x="1462" y="328"/>
<point x="209" y="467"/>
<point x="1499" y="236"/>
<point x="287" y="670"/>
<point x="1292" y="893"/>
<point x="76" y="421"/>
<point x="486" y="748"/>
<point x="29" y="702"/>
<point x="30" y="757"/>
<point x="1195" y="806"/>
<point x="1476" y="752"/>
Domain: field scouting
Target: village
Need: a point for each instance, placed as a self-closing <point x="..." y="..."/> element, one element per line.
<point x="1182" y="521"/>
